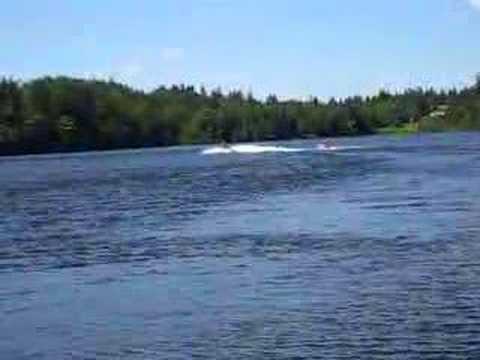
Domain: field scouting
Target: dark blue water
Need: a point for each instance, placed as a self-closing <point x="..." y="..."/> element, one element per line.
<point x="371" y="251"/>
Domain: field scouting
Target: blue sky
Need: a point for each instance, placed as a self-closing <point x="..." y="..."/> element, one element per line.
<point x="291" y="48"/>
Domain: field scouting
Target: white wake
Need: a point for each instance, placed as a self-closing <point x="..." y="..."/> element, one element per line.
<point x="258" y="149"/>
<point x="249" y="149"/>
<point x="323" y="147"/>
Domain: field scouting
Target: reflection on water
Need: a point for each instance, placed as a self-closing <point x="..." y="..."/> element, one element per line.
<point x="367" y="251"/>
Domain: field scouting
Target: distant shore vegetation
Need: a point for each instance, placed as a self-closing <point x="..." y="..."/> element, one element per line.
<point x="60" y="114"/>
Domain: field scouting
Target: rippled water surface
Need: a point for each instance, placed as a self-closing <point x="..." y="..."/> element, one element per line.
<point x="369" y="250"/>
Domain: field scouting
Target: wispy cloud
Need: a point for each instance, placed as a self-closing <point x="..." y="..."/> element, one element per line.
<point x="172" y="54"/>
<point x="475" y="4"/>
<point x="130" y="70"/>
<point x="130" y="73"/>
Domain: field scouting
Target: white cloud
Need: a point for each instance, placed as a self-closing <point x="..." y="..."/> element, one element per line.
<point x="130" y="70"/>
<point x="475" y="4"/>
<point x="131" y="73"/>
<point x="97" y="75"/>
<point x="172" y="54"/>
<point x="123" y="73"/>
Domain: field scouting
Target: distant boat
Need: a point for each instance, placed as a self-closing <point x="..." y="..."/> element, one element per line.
<point x="224" y="145"/>
<point x="327" y="145"/>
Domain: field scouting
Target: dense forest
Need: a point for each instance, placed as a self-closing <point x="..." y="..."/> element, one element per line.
<point x="67" y="114"/>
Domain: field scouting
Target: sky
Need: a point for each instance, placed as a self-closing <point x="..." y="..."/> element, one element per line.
<point x="295" y="49"/>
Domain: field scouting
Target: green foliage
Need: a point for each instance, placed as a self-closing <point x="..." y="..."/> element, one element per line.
<point x="68" y="114"/>
<point x="402" y="129"/>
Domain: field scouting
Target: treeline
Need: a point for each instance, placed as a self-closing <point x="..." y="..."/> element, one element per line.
<point x="68" y="114"/>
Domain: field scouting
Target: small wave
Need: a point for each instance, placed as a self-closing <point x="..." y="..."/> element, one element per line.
<point x="323" y="147"/>
<point x="249" y="149"/>
<point x="396" y="206"/>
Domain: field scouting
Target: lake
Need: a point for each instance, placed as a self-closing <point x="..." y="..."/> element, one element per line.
<point x="367" y="250"/>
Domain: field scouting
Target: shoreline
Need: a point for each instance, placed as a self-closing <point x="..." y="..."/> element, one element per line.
<point x="390" y="131"/>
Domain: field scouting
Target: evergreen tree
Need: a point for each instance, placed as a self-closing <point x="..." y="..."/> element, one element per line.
<point x="67" y="114"/>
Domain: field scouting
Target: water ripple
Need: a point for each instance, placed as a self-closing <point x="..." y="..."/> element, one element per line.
<point x="371" y="253"/>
